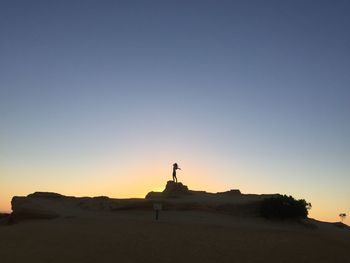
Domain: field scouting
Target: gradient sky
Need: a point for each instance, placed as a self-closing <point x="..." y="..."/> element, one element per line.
<point x="101" y="97"/>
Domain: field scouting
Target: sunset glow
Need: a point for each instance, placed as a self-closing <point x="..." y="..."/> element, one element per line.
<point x="102" y="98"/>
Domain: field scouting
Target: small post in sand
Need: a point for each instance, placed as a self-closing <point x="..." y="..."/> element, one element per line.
<point x="157" y="207"/>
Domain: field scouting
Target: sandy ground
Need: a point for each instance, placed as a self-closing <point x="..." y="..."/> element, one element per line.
<point x="179" y="236"/>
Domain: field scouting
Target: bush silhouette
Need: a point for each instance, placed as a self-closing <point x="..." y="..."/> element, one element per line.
<point x="284" y="207"/>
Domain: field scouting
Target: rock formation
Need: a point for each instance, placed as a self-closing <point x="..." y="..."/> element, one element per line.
<point x="43" y="205"/>
<point x="36" y="205"/>
<point x="172" y="190"/>
<point x="175" y="196"/>
<point x="231" y="192"/>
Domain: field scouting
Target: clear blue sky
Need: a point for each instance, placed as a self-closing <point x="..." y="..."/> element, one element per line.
<point x="244" y="94"/>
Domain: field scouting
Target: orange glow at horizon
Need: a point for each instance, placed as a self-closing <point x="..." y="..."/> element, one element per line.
<point x="128" y="180"/>
<point x="136" y="186"/>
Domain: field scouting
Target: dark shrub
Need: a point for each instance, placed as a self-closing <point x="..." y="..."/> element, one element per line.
<point x="284" y="207"/>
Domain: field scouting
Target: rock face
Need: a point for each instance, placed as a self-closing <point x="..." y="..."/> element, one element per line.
<point x="44" y="205"/>
<point x="176" y="196"/>
<point x="172" y="190"/>
<point x="37" y="205"/>
<point x="41" y="205"/>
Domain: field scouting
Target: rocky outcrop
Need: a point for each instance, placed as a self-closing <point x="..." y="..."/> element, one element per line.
<point x="37" y="205"/>
<point x="232" y="192"/>
<point x="46" y="195"/>
<point x="176" y="196"/>
<point x="172" y="190"/>
<point x="44" y="205"/>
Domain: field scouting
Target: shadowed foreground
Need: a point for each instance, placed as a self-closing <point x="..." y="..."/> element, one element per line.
<point x="179" y="236"/>
<point x="194" y="226"/>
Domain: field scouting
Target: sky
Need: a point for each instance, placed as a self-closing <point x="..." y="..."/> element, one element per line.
<point x="101" y="97"/>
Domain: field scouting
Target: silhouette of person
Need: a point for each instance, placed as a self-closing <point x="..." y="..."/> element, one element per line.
<point x="175" y="167"/>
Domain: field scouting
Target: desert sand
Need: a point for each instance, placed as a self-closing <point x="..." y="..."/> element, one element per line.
<point x="180" y="235"/>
